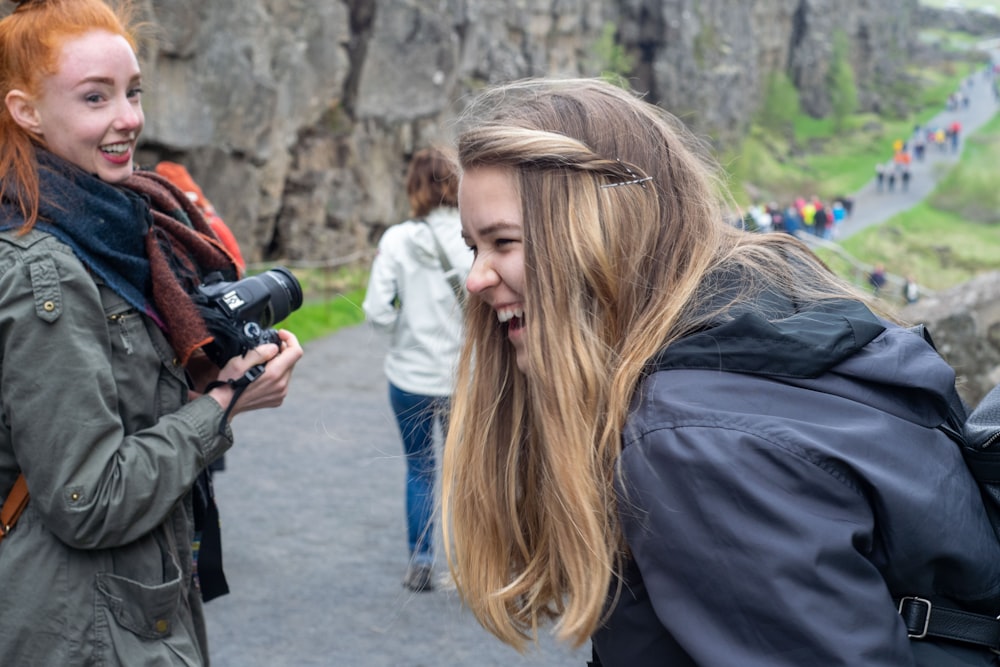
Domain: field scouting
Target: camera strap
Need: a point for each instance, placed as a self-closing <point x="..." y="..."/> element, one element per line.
<point x="239" y="385"/>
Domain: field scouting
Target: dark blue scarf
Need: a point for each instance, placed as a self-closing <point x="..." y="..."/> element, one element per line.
<point x="104" y="225"/>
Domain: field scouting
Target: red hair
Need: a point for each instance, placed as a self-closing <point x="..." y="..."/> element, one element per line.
<point x="31" y="41"/>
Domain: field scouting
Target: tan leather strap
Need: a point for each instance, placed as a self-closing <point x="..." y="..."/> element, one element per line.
<point x="15" y="503"/>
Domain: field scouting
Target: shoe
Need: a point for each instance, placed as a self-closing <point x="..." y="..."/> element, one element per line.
<point x="419" y="578"/>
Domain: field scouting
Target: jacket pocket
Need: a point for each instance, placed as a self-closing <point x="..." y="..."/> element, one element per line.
<point x="143" y="624"/>
<point x="144" y="610"/>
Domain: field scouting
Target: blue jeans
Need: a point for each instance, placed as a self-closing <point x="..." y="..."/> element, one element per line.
<point x="415" y="415"/>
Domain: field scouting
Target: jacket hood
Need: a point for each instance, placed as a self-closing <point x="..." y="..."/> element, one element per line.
<point x="805" y="344"/>
<point x="858" y="354"/>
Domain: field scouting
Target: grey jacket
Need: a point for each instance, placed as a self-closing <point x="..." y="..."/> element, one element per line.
<point x="95" y="413"/>
<point x="783" y="483"/>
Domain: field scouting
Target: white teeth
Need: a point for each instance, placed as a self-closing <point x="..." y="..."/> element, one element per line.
<point x="506" y="314"/>
<point x="116" y="148"/>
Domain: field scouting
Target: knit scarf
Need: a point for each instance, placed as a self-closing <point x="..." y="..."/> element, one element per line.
<point x="145" y="240"/>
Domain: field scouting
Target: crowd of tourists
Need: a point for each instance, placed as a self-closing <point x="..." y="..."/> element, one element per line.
<point x="812" y="215"/>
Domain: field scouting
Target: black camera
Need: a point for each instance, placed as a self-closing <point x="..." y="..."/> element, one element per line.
<point x="239" y="314"/>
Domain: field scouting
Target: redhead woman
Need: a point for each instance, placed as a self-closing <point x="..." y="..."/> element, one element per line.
<point x="103" y="420"/>
<point x="685" y="443"/>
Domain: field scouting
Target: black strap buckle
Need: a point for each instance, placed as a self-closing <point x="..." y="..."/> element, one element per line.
<point x="909" y="602"/>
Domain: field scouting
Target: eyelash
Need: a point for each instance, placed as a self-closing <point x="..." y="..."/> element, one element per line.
<point x="132" y="93"/>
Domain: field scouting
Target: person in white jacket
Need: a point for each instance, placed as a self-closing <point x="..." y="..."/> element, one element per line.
<point x="415" y="292"/>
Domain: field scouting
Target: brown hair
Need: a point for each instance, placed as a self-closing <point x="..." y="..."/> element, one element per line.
<point x="31" y="41"/>
<point x="431" y="181"/>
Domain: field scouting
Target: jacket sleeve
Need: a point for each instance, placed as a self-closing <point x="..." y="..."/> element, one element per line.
<point x="92" y="484"/>
<point x="383" y="290"/>
<point x="753" y="555"/>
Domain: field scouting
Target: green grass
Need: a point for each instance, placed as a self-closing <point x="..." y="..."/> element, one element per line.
<point x="316" y="319"/>
<point x="941" y="249"/>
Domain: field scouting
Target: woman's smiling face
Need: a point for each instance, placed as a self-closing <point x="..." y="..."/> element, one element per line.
<point x="89" y="110"/>
<point x="493" y="228"/>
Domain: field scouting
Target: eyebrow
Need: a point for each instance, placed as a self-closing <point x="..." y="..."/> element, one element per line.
<point x="498" y="226"/>
<point x="107" y="80"/>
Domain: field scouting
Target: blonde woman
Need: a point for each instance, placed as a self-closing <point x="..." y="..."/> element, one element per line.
<point x="691" y="444"/>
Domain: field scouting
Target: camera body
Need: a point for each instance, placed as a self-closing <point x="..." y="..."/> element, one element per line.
<point x="240" y="314"/>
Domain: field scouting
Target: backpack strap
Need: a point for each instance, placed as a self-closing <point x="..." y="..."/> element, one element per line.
<point x="925" y="620"/>
<point x="13" y="506"/>
<point x="449" y="270"/>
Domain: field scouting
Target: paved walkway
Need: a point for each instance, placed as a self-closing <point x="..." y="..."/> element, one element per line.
<point x="312" y="511"/>
<point x="873" y="207"/>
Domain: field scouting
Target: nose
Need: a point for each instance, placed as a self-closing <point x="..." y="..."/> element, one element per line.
<point x="129" y="117"/>
<point x="481" y="276"/>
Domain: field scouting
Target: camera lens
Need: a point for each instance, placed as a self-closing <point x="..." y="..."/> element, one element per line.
<point x="285" y="292"/>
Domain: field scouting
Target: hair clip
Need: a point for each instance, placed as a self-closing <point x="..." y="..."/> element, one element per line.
<point x="634" y="181"/>
<point x="637" y="181"/>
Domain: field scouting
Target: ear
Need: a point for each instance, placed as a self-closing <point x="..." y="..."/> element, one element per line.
<point x="22" y="109"/>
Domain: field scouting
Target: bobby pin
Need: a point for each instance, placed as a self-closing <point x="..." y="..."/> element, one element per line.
<point x="634" y="181"/>
<point x="637" y="181"/>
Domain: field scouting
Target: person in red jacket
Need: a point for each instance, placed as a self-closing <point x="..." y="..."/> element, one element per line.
<point x="179" y="176"/>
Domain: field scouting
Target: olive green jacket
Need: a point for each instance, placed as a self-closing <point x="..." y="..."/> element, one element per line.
<point x="95" y="412"/>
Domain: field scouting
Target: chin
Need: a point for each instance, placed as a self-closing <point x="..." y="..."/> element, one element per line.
<point x="115" y="176"/>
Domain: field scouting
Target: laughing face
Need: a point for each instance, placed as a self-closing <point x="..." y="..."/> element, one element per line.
<point x="88" y="112"/>
<point x="493" y="228"/>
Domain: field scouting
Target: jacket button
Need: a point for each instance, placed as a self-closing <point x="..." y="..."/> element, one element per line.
<point x="49" y="306"/>
<point x="74" y="496"/>
<point x="162" y="626"/>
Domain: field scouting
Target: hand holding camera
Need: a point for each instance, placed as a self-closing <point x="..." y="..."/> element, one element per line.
<point x="270" y="365"/>
<point x="239" y="315"/>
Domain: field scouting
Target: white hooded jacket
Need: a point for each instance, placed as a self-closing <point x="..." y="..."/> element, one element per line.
<point x="410" y="297"/>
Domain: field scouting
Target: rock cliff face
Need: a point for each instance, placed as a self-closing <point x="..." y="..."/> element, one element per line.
<point x="965" y="324"/>
<point x="297" y="117"/>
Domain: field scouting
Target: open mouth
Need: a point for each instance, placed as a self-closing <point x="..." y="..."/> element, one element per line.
<point x="117" y="149"/>
<point x="512" y="317"/>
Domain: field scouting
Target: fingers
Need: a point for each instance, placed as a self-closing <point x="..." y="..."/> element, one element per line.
<point x="271" y="388"/>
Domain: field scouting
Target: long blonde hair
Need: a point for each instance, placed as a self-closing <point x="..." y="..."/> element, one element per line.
<point x="616" y="268"/>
